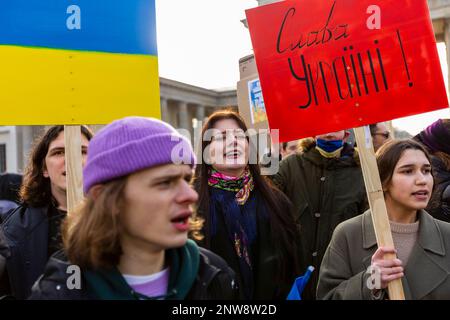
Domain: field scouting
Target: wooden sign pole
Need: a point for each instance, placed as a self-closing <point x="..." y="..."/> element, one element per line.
<point x="74" y="163"/>
<point x="390" y="128"/>
<point x="376" y="201"/>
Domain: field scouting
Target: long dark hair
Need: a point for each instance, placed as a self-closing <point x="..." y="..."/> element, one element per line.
<point x="283" y="230"/>
<point x="35" y="190"/>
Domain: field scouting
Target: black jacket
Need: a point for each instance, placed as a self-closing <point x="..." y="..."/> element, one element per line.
<point x="25" y="233"/>
<point x="214" y="281"/>
<point x="269" y="281"/>
<point x="439" y="205"/>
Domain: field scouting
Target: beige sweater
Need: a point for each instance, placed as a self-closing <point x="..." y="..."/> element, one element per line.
<point x="405" y="237"/>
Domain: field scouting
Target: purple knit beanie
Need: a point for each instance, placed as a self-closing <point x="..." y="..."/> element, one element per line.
<point x="132" y="144"/>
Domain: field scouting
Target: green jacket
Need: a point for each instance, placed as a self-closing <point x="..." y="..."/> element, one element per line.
<point x="427" y="274"/>
<point x="324" y="192"/>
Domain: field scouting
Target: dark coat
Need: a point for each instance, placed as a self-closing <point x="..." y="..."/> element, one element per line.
<point x="25" y="232"/>
<point x="214" y="281"/>
<point x="268" y="281"/>
<point x="439" y="205"/>
<point x="325" y="192"/>
<point x="9" y="186"/>
<point x="2" y="258"/>
<point x="427" y="274"/>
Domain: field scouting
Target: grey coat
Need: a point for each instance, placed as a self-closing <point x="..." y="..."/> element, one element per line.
<point x="427" y="274"/>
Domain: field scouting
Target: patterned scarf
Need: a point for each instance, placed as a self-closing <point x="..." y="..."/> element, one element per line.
<point x="239" y="217"/>
<point x="242" y="185"/>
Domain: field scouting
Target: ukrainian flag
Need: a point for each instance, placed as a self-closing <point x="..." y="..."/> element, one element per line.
<point x="77" y="61"/>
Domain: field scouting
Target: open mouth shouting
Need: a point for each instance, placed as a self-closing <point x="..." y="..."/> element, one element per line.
<point x="181" y="221"/>
<point x="421" y="195"/>
<point x="233" y="154"/>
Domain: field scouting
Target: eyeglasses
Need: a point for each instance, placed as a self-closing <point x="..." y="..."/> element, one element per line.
<point x="386" y="134"/>
<point x="234" y="134"/>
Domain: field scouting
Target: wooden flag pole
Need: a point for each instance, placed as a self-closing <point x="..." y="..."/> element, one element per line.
<point x="376" y="201"/>
<point x="74" y="161"/>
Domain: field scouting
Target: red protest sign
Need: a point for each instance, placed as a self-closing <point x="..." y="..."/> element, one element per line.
<point x="335" y="64"/>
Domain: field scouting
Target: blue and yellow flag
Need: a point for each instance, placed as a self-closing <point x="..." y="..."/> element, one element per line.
<point x="77" y="61"/>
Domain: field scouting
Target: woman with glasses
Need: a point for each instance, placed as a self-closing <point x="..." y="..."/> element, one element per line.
<point x="248" y="222"/>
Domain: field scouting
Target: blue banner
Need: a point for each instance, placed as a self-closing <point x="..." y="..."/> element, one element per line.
<point x="299" y="285"/>
<point x="117" y="26"/>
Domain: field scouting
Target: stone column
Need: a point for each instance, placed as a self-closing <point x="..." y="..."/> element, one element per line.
<point x="447" y="44"/>
<point x="183" y="116"/>
<point x="200" y="113"/>
<point x="24" y="144"/>
<point x="164" y="110"/>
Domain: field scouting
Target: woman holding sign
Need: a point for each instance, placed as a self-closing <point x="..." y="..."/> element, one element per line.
<point x="248" y="222"/>
<point x="129" y="239"/>
<point x="353" y="267"/>
<point x="32" y="231"/>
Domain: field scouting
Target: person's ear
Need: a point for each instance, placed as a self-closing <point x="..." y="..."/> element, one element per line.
<point x="385" y="187"/>
<point x="45" y="171"/>
<point x="95" y="191"/>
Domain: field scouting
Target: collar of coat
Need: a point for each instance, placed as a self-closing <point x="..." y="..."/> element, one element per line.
<point x="429" y="238"/>
<point x="427" y="266"/>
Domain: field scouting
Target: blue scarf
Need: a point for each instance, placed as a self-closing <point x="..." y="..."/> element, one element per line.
<point x="241" y="227"/>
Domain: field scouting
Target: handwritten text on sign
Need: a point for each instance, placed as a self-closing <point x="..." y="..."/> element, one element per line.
<point x="336" y="64"/>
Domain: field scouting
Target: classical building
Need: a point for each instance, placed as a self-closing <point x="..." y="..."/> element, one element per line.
<point x="184" y="105"/>
<point x="440" y="15"/>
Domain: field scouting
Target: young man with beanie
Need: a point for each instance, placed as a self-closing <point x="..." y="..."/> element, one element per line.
<point x="326" y="186"/>
<point x="130" y="236"/>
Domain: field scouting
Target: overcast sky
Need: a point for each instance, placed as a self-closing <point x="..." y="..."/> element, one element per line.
<point x="200" y="43"/>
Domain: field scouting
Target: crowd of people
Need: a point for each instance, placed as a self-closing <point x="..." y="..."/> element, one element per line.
<point x="155" y="226"/>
